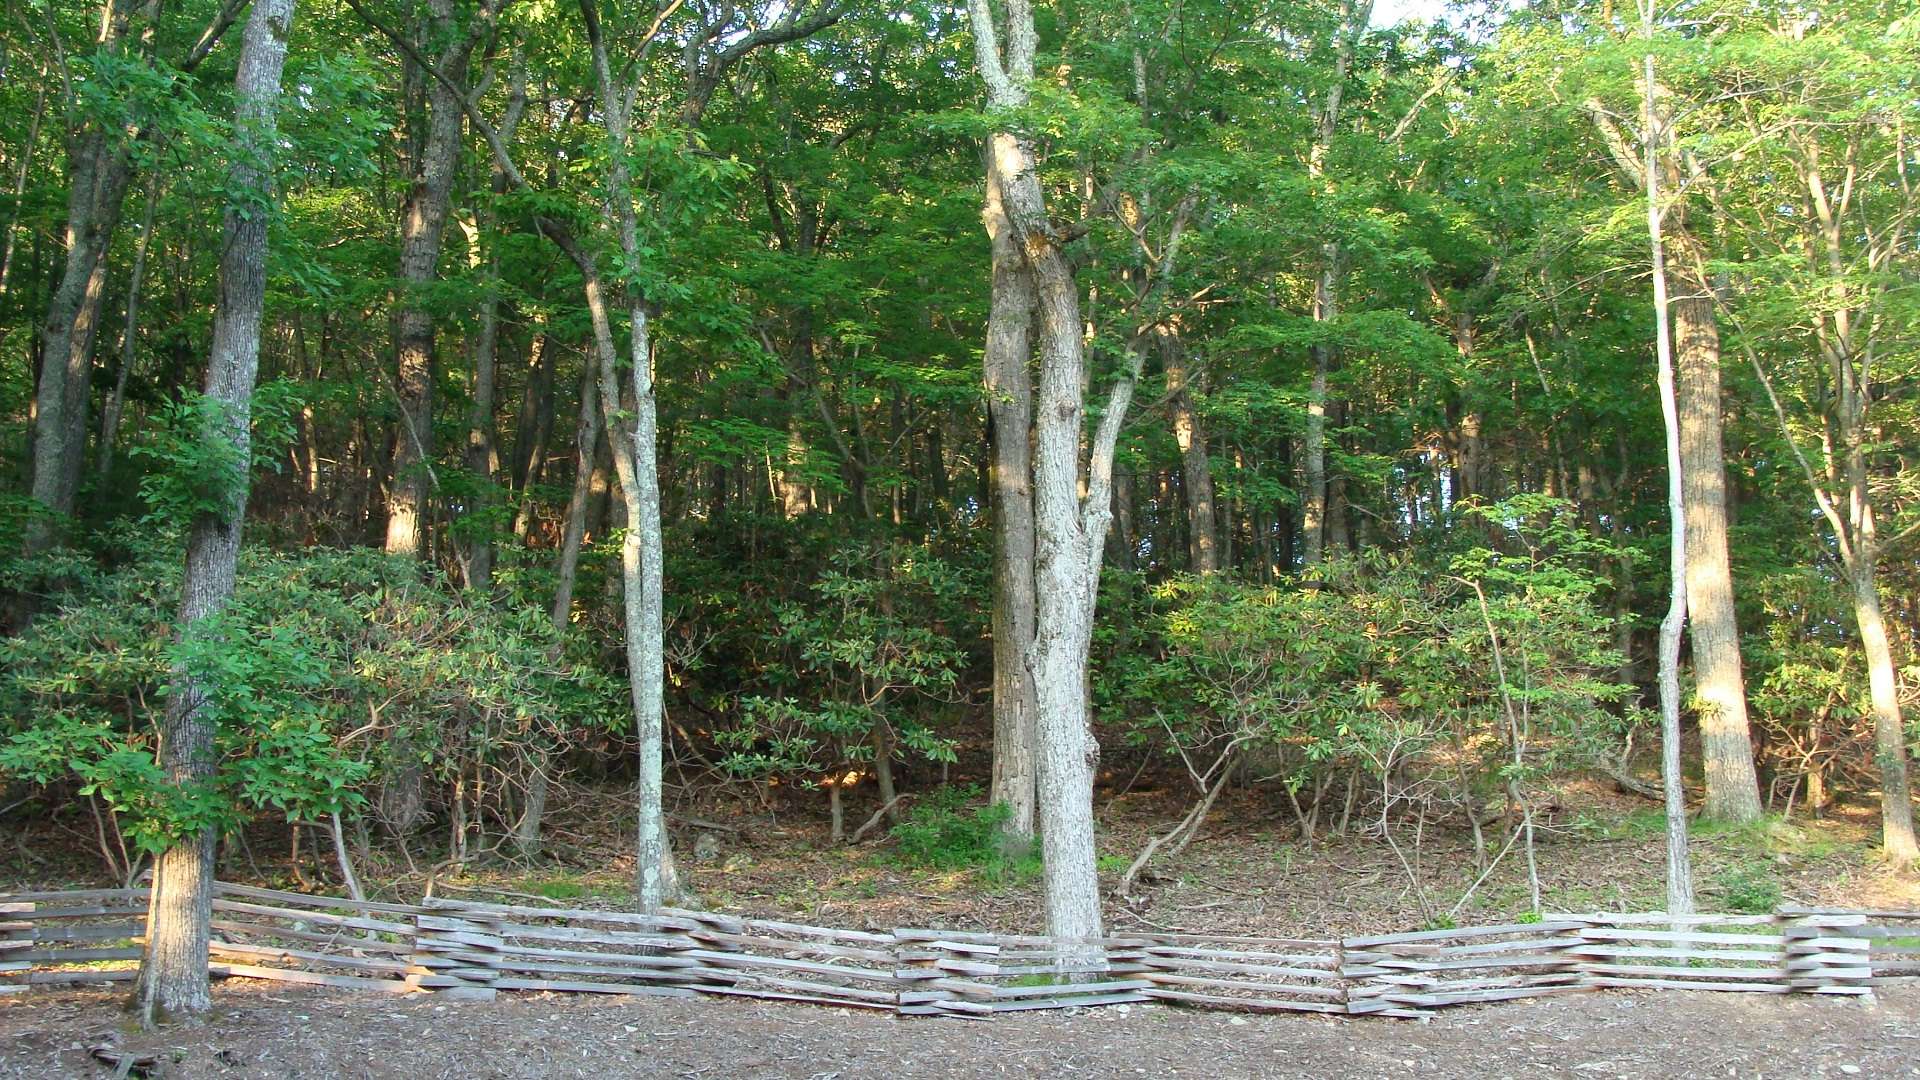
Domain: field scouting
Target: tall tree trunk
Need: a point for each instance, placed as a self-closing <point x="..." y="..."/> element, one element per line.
<point x="7" y="239"/>
<point x="1679" y="864"/>
<point x="587" y="442"/>
<point x="173" y="968"/>
<point x="636" y="463"/>
<point x="1889" y="726"/>
<point x="1069" y="529"/>
<point x="423" y="220"/>
<point x="1733" y="788"/>
<point x="129" y="338"/>
<point x="1354" y="18"/>
<point x="99" y="172"/>
<point x="1009" y="389"/>
<point x="1203" y="530"/>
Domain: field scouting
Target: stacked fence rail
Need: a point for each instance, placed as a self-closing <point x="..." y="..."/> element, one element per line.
<point x="468" y="949"/>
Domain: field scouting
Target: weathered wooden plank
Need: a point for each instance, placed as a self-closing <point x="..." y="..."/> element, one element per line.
<point x="1224" y="967"/>
<point x="63" y="978"/>
<point x="1605" y="951"/>
<point x="675" y="975"/>
<point x="1530" y="960"/>
<point x="1714" y="940"/>
<point x="577" y="935"/>
<point x="45" y="914"/>
<point x="1067" y="989"/>
<point x="583" y="986"/>
<point x="1243" y="1004"/>
<point x="776" y="927"/>
<point x="109" y="932"/>
<point x="808" y="986"/>
<point x="939" y="962"/>
<point x="81" y="956"/>
<point x="1161" y="977"/>
<point x="312" y="918"/>
<point x="746" y="962"/>
<point x="304" y="901"/>
<point x="510" y="953"/>
<point x="234" y="928"/>
<point x="1297" y="959"/>
<point x="1677" y="972"/>
<point x="1022" y="1005"/>
<point x="775" y="995"/>
<point x="308" y="978"/>
<point x="1471" y="997"/>
<point x="667" y="920"/>
<point x="1543" y="927"/>
<point x="268" y="952"/>
<point x="1652" y="983"/>
<point x="74" y="896"/>
<point x="1661" y="918"/>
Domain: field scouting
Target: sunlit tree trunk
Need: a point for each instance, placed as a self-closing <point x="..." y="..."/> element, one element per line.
<point x="173" y="969"/>
<point x="1009" y="388"/>
<point x="423" y="220"/>
<point x="1679" y="865"/>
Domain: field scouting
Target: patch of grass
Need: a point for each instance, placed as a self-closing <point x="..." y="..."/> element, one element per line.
<point x="945" y="832"/>
<point x="1749" y="888"/>
<point x="1644" y="823"/>
<point x="1113" y="864"/>
<point x="560" y="889"/>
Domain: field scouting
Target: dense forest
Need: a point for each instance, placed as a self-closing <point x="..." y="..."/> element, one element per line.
<point x="412" y="411"/>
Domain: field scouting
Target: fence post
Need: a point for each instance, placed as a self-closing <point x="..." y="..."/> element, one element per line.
<point x="454" y="955"/>
<point x="16" y="941"/>
<point x="1826" y="953"/>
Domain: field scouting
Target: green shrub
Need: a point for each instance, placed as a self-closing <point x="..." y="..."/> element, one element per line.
<point x="1749" y="888"/>
<point x="945" y="833"/>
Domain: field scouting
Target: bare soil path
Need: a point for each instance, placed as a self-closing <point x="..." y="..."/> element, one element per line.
<point x="265" y="1030"/>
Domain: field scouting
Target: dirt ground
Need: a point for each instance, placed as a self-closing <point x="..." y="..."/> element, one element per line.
<point x="264" y="1030"/>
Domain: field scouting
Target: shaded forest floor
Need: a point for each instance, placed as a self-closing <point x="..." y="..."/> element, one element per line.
<point x="269" y="1030"/>
<point x="1247" y="872"/>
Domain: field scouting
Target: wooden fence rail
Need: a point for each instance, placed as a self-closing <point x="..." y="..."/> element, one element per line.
<point x="468" y="949"/>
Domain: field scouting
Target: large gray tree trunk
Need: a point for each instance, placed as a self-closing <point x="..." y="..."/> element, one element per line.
<point x="1069" y="526"/>
<point x="173" y="970"/>
<point x="1009" y="387"/>
<point x="99" y="172"/>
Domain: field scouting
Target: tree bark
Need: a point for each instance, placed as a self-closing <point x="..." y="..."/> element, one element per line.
<point x="423" y="220"/>
<point x="1009" y="388"/>
<point x="1733" y="788"/>
<point x="1679" y="863"/>
<point x="587" y="441"/>
<point x="1354" y="18"/>
<point x="1069" y="528"/>
<point x="1203" y="530"/>
<point x="173" y="968"/>
<point x="129" y="339"/>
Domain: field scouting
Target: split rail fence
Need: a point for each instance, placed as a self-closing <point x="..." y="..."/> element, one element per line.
<point x="475" y="950"/>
